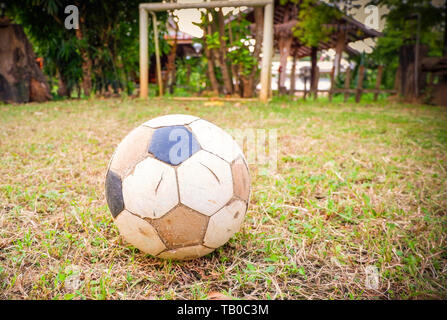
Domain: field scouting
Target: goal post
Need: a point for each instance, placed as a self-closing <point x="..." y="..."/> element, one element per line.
<point x="267" y="44"/>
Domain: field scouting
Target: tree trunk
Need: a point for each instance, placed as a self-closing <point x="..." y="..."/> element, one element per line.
<point x="397" y="81"/>
<point x="62" y="90"/>
<point x="259" y="32"/>
<point x="247" y="91"/>
<point x="86" y="61"/>
<point x="188" y="71"/>
<point x="21" y="80"/>
<point x="170" y="72"/>
<point x="407" y="71"/>
<point x="444" y="49"/>
<point x="234" y="68"/>
<point x="284" y="52"/>
<point x="278" y="80"/>
<point x="210" y="63"/>
<point x="226" y="75"/>
<point x="293" y="76"/>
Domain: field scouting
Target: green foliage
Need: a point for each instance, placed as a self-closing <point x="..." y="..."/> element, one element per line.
<point x="109" y="37"/>
<point x="238" y="40"/>
<point x="51" y="41"/>
<point x="240" y="53"/>
<point x="401" y="17"/>
<point x="241" y="56"/>
<point x="401" y="28"/>
<point x="190" y="75"/>
<point x="213" y="41"/>
<point x="314" y="22"/>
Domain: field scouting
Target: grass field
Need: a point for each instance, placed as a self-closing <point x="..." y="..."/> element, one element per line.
<point x="356" y="186"/>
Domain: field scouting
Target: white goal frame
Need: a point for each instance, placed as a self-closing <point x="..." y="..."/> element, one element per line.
<point x="267" y="44"/>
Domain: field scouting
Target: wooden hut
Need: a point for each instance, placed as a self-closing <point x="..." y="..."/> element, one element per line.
<point x="346" y="30"/>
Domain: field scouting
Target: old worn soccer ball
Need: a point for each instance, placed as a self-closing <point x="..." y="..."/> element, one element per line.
<point x="178" y="187"/>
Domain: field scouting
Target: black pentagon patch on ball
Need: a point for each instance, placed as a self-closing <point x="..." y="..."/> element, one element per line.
<point x="114" y="193"/>
<point x="173" y="144"/>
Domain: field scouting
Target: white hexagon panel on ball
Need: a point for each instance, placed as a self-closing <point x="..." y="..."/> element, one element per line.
<point x="224" y="224"/>
<point x="215" y="140"/>
<point x="131" y="150"/>
<point x="151" y="189"/>
<point x="139" y="233"/>
<point x="205" y="182"/>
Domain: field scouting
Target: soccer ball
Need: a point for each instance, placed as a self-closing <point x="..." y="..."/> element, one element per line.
<point x="178" y="187"/>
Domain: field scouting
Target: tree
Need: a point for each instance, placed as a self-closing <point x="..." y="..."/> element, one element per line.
<point x="231" y="51"/>
<point x="222" y="50"/>
<point x="245" y="52"/>
<point x="210" y="42"/>
<point x="101" y="54"/>
<point x="314" y="22"/>
<point x="45" y="29"/>
<point x="314" y="26"/>
<point x="396" y="49"/>
<point x="401" y="20"/>
<point x="21" y="79"/>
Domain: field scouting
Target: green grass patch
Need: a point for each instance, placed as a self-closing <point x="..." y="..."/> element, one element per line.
<point x="357" y="185"/>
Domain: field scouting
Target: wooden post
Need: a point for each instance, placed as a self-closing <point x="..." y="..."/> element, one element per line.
<point x="313" y="69"/>
<point x="331" y="89"/>
<point x="157" y="54"/>
<point x="305" y="88"/>
<point x="358" y="93"/>
<point x="317" y="79"/>
<point x="267" y="53"/>
<point x="378" y="82"/>
<point x="285" y="44"/>
<point x="397" y="82"/>
<point x="144" y="61"/>
<point x="347" y="83"/>
<point x="279" y="79"/>
<point x="293" y="76"/>
<point x="431" y="79"/>
<point x="339" y="47"/>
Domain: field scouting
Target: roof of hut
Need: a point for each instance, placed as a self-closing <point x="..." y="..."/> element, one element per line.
<point x="173" y="32"/>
